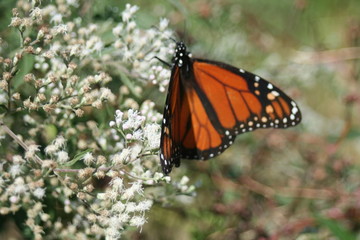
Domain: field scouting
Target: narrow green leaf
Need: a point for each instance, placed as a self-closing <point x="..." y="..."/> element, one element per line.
<point x="129" y="84"/>
<point x="77" y="158"/>
<point x="336" y="228"/>
<point x="25" y="66"/>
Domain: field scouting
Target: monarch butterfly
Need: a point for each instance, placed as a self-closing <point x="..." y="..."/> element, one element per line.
<point x="209" y="103"/>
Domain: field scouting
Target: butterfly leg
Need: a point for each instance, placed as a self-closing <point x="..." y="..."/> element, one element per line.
<point x="163" y="62"/>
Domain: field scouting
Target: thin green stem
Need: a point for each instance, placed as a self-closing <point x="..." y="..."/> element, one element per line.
<point x="21" y="38"/>
<point x="9" y="95"/>
<point x="18" y="140"/>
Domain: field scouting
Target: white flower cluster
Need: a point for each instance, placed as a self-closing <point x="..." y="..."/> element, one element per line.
<point x="95" y="173"/>
<point x="133" y="126"/>
<point x="56" y="149"/>
<point x="59" y="88"/>
<point x="140" y="137"/>
<point x="125" y="209"/>
<point x="18" y="189"/>
<point x="137" y="48"/>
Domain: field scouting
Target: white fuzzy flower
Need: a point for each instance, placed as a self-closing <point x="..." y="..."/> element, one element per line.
<point x="105" y="93"/>
<point x="130" y="207"/>
<point x="98" y="46"/>
<point x="101" y="196"/>
<point x="118" y="29"/>
<point x="36" y="14"/>
<point x="131" y="26"/>
<point x="124" y="217"/>
<point x="73" y="3"/>
<point x="165" y="73"/>
<point x="129" y="193"/>
<point x="30" y="153"/>
<point x="118" y="117"/>
<point x="62" y="157"/>
<point x="112" y="233"/>
<point x="17" y="159"/>
<point x="85" y="52"/>
<point x="163" y="24"/>
<point x="15" y="170"/>
<point x="112" y="124"/>
<point x="75" y="50"/>
<point x="97" y="104"/>
<point x="39" y="192"/>
<point x="116" y="159"/>
<point x="144" y="205"/>
<point x="128" y="136"/>
<point x="127" y="54"/>
<point x="19" y="186"/>
<point x="135" y="151"/>
<point x="137" y="221"/>
<point x="92" y="27"/>
<point x="59" y="141"/>
<point x="15" y="22"/>
<point x="117" y="184"/>
<point x="56" y="18"/>
<point x="121" y="158"/>
<point x="3" y="97"/>
<point x="55" y="47"/>
<point x="112" y="195"/>
<point x="132" y="9"/>
<point x="184" y="180"/>
<point x="138" y="135"/>
<point x="158" y="176"/>
<point x="152" y="134"/>
<point x="134" y="120"/>
<point x="20" y="189"/>
<point x="118" y="207"/>
<point x="49" y="54"/>
<point x="50" y="149"/>
<point x="167" y="179"/>
<point x="14" y="199"/>
<point x="88" y="158"/>
<point x="128" y="12"/>
<point x="59" y="29"/>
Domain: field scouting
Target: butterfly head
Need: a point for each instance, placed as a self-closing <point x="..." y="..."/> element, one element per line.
<point x="180" y="55"/>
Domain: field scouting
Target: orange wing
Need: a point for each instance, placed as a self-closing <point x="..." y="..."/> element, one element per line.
<point x="243" y="101"/>
<point x="187" y="128"/>
<point x="209" y="103"/>
<point x="169" y="143"/>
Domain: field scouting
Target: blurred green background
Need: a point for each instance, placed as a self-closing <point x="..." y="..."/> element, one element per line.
<point x="299" y="183"/>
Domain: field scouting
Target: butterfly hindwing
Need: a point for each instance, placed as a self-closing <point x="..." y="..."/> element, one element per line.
<point x="204" y="137"/>
<point x="170" y="142"/>
<point x="190" y="129"/>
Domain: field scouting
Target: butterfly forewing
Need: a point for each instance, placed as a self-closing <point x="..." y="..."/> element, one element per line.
<point x="243" y="101"/>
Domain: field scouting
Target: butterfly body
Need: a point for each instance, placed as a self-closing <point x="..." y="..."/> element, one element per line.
<point x="210" y="102"/>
